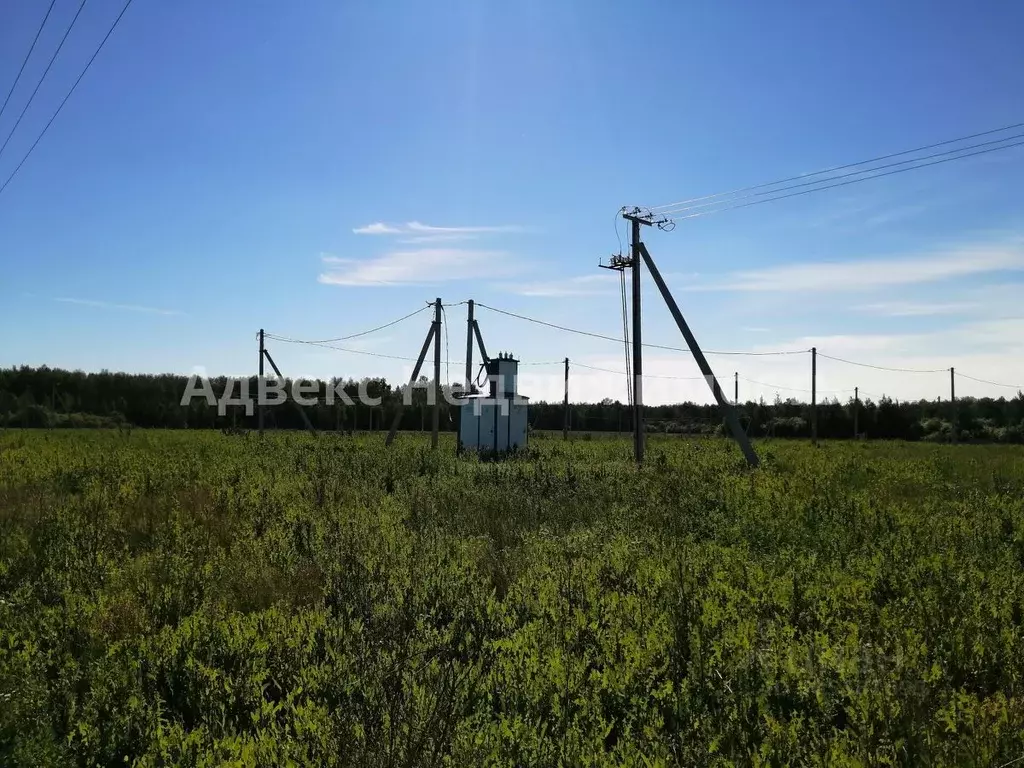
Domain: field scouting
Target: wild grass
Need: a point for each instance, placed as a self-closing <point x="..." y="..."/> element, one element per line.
<point x="199" y="599"/>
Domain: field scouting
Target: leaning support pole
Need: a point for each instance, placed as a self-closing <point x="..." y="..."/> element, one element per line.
<point x="436" y="426"/>
<point x="723" y="402"/>
<point x="412" y="380"/>
<point x="480" y="341"/>
<point x="638" y="355"/>
<point x="302" y="412"/>
<point x="470" y="322"/>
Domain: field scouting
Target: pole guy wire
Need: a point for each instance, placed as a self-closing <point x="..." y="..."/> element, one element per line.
<point x="28" y="55"/>
<point x="833" y="169"/>
<point x="68" y="96"/>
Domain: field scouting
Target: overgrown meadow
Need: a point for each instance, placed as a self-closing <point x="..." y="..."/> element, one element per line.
<point x="194" y="598"/>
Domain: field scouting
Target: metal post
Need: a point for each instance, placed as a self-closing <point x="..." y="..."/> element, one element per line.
<point x="412" y="380"/>
<point x="723" y="402"/>
<point x="952" y="399"/>
<point x="469" y="348"/>
<point x="638" y="357"/>
<point x="565" y="414"/>
<point x="856" y="409"/>
<point x="437" y="374"/>
<point x="814" y="395"/>
<point x="259" y="406"/>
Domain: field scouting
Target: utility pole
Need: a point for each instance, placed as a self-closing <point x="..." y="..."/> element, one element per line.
<point x="856" y="409"/>
<point x="952" y="399"/>
<point x="437" y="373"/>
<point x="469" y="348"/>
<point x="638" y="357"/>
<point x="814" y="395"/>
<point x="259" y="406"/>
<point x="736" y="388"/>
<point x="565" y="405"/>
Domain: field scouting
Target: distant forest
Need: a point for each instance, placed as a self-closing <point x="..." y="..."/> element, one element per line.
<point x="54" y="398"/>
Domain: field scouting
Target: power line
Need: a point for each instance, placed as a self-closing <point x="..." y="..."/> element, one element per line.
<point x="847" y="182"/>
<point x="68" y="96"/>
<point x="839" y="167"/>
<point x="43" y="76"/>
<point x="645" y="375"/>
<point x="603" y="337"/>
<point x="361" y="333"/>
<point x="28" y="55"/>
<point x="986" y="381"/>
<point x="885" y="368"/>
<point x="847" y="175"/>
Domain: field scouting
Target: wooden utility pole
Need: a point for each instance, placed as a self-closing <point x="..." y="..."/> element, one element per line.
<point x="437" y="373"/>
<point x="565" y="404"/>
<point x="259" y="382"/>
<point x="638" y="357"/>
<point x="952" y="399"/>
<point x="814" y="395"/>
<point x="736" y="387"/>
<point x="856" y="410"/>
<point x="469" y="348"/>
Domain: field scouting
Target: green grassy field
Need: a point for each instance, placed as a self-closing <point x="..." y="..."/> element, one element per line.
<point x="199" y="599"/>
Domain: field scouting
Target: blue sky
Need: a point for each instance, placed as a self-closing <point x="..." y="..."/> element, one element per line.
<point x="222" y="165"/>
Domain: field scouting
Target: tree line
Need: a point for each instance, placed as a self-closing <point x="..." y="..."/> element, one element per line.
<point x="52" y="398"/>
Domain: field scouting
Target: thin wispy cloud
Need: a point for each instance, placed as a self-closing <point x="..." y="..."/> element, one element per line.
<point x="418" y="267"/>
<point x="377" y="228"/>
<point x="420" y="229"/>
<point x="584" y="285"/>
<point x="869" y="274"/>
<point x="917" y="309"/>
<point x="122" y="307"/>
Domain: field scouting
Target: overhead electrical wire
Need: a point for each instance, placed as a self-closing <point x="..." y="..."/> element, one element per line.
<point x="650" y="346"/>
<point x="672" y="212"/>
<point x="842" y="183"/>
<point x="28" y="55"/>
<point x="88" y="64"/>
<point x="645" y="375"/>
<point x="882" y="367"/>
<point x="365" y="333"/>
<point x="986" y="381"/>
<point x="42" y="77"/>
<point x="839" y="167"/>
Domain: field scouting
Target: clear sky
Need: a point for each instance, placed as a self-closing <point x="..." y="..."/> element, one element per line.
<point x="317" y="168"/>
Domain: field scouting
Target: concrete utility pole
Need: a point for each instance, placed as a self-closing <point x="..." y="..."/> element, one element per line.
<point x="638" y="357"/>
<point x="259" y="406"/>
<point x="565" y="407"/>
<point x="952" y="399"/>
<point x="432" y="334"/>
<point x="814" y="395"/>
<point x="437" y="373"/>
